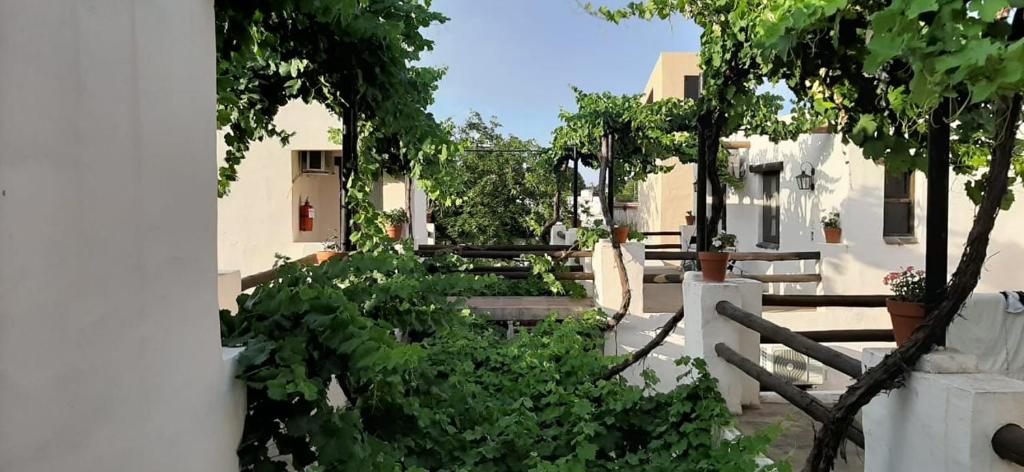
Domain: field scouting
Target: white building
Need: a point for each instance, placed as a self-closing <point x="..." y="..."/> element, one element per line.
<point x="883" y="218"/>
<point x="260" y="217"/>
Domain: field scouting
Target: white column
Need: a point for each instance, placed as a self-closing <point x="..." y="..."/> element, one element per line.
<point x="943" y="419"/>
<point x="229" y="285"/>
<point x="686" y="232"/>
<point x="608" y="287"/>
<point x="704" y="328"/>
<point x="110" y="355"/>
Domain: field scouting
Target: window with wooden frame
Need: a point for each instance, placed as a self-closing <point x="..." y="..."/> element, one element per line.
<point x="770" y="215"/>
<point x="898" y="208"/>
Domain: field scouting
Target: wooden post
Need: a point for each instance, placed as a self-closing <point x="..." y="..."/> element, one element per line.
<point x="796" y="397"/>
<point x="937" y="232"/>
<point x="350" y="143"/>
<point x="702" y="206"/>
<point x="798" y="343"/>
<point x="611" y="183"/>
<point x="1008" y="443"/>
<point x="575" y="189"/>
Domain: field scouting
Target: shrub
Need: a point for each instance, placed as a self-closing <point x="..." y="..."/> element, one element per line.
<point x="448" y="392"/>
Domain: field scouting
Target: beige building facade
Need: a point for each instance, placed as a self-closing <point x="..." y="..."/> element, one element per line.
<point x="260" y="217"/>
<point x="665" y="198"/>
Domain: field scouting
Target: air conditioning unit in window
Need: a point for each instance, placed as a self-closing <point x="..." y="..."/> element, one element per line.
<point x="792" y="366"/>
<point x="314" y="162"/>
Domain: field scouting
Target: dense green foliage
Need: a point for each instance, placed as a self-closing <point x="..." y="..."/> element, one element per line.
<point x="889" y="65"/>
<point x="449" y="392"/>
<point x="501" y="189"/>
<point x="730" y="102"/>
<point x="344" y="54"/>
<point x="873" y="70"/>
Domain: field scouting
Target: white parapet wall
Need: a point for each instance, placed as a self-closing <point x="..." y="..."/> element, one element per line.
<point x="943" y="419"/>
<point x="110" y="356"/>
<point x="608" y="285"/>
<point x="704" y="328"/>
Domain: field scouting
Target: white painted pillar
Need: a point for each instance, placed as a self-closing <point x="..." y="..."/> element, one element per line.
<point x="229" y="285"/>
<point x="110" y="355"/>
<point x="943" y="419"/>
<point x="608" y="287"/>
<point x="704" y="328"/>
<point x="557" y="234"/>
<point x="686" y="232"/>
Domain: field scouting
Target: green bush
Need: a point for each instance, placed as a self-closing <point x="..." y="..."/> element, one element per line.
<point x="432" y="388"/>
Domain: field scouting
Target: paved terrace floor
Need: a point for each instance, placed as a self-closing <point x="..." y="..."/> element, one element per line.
<point x="797" y="435"/>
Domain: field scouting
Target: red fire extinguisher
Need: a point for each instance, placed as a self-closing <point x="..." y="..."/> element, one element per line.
<point x="306" y="216"/>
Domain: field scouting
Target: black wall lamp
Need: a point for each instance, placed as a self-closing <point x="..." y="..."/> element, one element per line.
<point x="805" y="181"/>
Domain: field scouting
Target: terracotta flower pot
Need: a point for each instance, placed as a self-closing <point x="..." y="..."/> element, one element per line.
<point x="906" y="317"/>
<point x="621" y="233"/>
<point x="324" y="256"/>
<point x="690" y="220"/>
<point x="395" y="232"/>
<point x="833" y="235"/>
<point x="713" y="265"/>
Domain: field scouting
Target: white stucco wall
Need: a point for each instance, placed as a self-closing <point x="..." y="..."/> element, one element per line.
<point x="259" y="218"/>
<point x="110" y="352"/>
<point x="846" y="181"/>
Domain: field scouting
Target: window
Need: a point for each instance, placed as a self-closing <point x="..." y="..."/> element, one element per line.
<point x="898" y="207"/>
<point x="313" y="162"/>
<point x="691" y="87"/>
<point x="770" y="210"/>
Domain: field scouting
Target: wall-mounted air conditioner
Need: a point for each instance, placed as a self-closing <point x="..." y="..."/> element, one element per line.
<point x="314" y="162"/>
<point x="797" y="368"/>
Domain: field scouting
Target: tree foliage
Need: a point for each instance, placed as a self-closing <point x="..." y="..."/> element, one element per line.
<point x="878" y="70"/>
<point x="450" y="393"/>
<point x="883" y="73"/>
<point x="731" y="76"/>
<point x="344" y="54"/>
<point x="501" y="188"/>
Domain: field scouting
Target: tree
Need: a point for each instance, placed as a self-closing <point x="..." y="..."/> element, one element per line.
<point x="885" y="75"/>
<point x="349" y="55"/>
<point x="889" y="74"/>
<point x="502" y="189"/>
<point x="729" y="102"/>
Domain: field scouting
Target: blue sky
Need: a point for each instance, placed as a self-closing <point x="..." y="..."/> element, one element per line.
<point x="516" y="59"/>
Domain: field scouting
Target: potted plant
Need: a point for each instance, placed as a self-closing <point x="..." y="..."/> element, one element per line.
<point x="394" y="219"/>
<point x="714" y="261"/>
<point x="333" y="249"/>
<point x="690" y="218"/>
<point x="621" y="233"/>
<point x="906" y="306"/>
<point x="833" y="231"/>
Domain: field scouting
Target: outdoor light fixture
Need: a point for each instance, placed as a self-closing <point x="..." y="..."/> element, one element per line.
<point x="805" y="181"/>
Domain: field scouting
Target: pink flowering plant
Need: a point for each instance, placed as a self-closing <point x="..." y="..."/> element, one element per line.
<point x="906" y="285"/>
